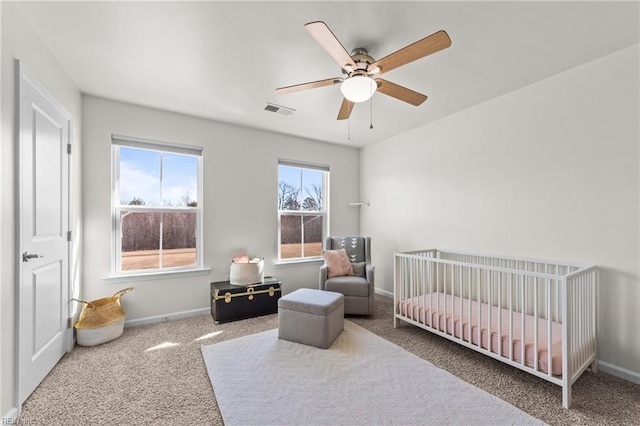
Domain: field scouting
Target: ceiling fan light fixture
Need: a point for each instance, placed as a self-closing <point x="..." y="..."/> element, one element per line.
<point x="358" y="88"/>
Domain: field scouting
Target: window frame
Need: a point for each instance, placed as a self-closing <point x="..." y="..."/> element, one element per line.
<point x="324" y="212"/>
<point x="118" y="141"/>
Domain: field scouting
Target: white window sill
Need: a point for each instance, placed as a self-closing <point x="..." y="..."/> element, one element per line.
<point x="298" y="262"/>
<point x="148" y="276"/>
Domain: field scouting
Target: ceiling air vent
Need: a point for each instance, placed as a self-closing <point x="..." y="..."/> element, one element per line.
<point x="278" y="109"/>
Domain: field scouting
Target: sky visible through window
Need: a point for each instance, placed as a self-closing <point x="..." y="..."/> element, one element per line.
<point x="140" y="177"/>
<point x="293" y="175"/>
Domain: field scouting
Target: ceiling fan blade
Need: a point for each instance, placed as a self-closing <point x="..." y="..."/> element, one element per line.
<point x="323" y="35"/>
<point x="345" y="109"/>
<point x="306" y="86"/>
<point x="428" y="45"/>
<point x="399" y="92"/>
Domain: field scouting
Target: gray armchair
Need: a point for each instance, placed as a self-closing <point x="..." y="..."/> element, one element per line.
<point x="358" y="290"/>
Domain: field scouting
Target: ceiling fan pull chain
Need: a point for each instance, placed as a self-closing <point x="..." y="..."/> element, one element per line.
<point x="349" y="129"/>
<point x="371" y="112"/>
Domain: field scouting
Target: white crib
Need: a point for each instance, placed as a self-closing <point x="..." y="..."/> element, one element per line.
<point x="495" y="304"/>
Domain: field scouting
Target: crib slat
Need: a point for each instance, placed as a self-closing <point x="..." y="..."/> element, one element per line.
<point x="535" y="324"/>
<point x="410" y="285"/>
<point x="549" y="330"/>
<point x="469" y="306"/>
<point x="500" y="312"/>
<point x="404" y="282"/>
<point x="461" y="322"/>
<point x="437" y="282"/>
<point x="578" y="336"/>
<point x="522" y="319"/>
<point x="479" y="324"/>
<point x="416" y="288"/>
<point x="490" y="304"/>
<point x="576" y="333"/>
<point x="511" y="317"/>
<point x="558" y="298"/>
<point x="444" y="302"/>
<point x="582" y="325"/>
<point x="453" y="312"/>
<point x="595" y="276"/>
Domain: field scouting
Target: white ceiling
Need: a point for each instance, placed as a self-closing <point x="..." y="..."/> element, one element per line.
<point x="223" y="60"/>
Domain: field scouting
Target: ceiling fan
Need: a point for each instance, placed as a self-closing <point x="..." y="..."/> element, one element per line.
<point x="361" y="70"/>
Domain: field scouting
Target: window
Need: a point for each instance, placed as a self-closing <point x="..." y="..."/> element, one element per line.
<point x="157" y="207"/>
<point x="303" y="218"/>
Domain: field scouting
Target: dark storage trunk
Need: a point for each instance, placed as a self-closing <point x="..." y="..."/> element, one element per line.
<point x="232" y="302"/>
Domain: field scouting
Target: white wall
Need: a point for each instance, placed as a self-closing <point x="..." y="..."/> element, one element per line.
<point x="550" y="171"/>
<point x="20" y="42"/>
<point x="240" y="200"/>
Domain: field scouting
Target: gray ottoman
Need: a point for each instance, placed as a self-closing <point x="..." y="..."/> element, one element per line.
<point x="311" y="317"/>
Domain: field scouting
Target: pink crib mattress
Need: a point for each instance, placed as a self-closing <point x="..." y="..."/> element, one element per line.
<point x="421" y="309"/>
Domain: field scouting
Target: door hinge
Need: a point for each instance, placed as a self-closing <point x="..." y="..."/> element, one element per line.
<point x="69" y="236"/>
<point x="69" y="148"/>
<point x="69" y="322"/>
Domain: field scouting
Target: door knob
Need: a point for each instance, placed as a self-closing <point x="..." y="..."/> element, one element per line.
<point x="26" y="256"/>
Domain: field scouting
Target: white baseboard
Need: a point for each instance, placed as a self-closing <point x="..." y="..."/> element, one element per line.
<point x="11" y="415"/>
<point x="384" y="293"/>
<point x="166" y="317"/>
<point x="617" y="371"/>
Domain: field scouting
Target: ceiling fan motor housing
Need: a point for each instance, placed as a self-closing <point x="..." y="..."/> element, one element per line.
<point x="362" y="60"/>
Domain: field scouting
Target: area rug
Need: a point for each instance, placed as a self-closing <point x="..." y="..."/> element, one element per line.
<point x="361" y="379"/>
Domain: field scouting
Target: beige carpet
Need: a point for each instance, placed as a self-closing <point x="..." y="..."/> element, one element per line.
<point x="155" y="374"/>
<point x="361" y="379"/>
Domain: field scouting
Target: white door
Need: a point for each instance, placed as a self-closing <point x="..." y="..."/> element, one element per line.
<point x="43" y="188"/>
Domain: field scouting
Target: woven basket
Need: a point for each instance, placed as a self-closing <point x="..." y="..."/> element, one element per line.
<point x="101" y="320"/>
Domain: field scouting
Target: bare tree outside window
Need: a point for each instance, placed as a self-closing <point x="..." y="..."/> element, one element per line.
<point x="156" y="234"/>
<point x="301" y="210"/>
